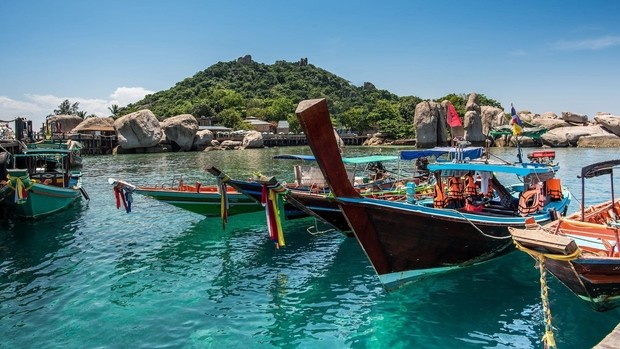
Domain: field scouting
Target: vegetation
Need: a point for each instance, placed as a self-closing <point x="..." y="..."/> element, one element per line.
<point x="232" y="91"/>
<point x="66" y="108"/>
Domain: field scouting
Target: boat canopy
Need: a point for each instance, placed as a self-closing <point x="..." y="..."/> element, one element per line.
<point x="349" y="160"/>
<point x="368" y="159"/>
<point x="517" y="169"/>
<point x="599" y="168"/>
<point x="469" y="152"/>
<point x="295" y="157"/>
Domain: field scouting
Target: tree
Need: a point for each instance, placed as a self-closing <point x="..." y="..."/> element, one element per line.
<point x="66" y="108"/>
<point x="114" y="109"/>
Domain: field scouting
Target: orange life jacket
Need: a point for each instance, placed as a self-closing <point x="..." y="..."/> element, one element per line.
<point x="439" y="198"/>
<point x="554" y="189"/>
<point x="529" y="202"/>
<point x="455" y="188"/>
<point x="470" y="186"/>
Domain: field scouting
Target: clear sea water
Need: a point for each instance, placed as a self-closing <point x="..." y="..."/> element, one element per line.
<point x="161" y="277"/>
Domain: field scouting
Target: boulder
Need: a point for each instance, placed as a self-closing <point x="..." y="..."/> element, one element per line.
<point x="569" y="136"/>
<point x="93" y="123"/>
<point x="181" y="130"/>
<point x="574" y="117"/>
<point x="64" y="123"/>
<point x="492" y="117"/>
<point x="549" y="123"/>
<point x="202" y="139"/>
<point x="549" y="115"/>
<point x="599" y="141"/>
<point x="610" y="123"/>
<point x="252" y="139"/>
<point x="472" y="122"/>
<point x="140" y="129"/>
<point x="429" y="121"/>
<point x="231" y="144"/>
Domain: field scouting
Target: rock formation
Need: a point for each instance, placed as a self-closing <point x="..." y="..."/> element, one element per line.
<point x="140" y="129"/>
<point x="180" y="130"/>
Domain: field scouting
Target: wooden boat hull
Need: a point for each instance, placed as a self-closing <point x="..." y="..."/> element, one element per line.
<point x="206" y="203"/>
<point x="43" y="200"/>
<point x="596" y="280"/>
<point x="404" y="241"/>
<point x="417" y="241"/>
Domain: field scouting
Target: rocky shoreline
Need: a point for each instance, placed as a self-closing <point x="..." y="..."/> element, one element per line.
<point x="142" y="132"/>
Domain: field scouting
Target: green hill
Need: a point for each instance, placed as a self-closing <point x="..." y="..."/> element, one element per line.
<point x="232" y="91"/>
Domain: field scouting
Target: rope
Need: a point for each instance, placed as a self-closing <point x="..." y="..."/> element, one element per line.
<point x="316" y="229"/>
<point x="481" y="232"/>
<point x="548" y="338"/>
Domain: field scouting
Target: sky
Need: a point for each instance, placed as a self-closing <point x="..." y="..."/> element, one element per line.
<point x="542" y="56"/>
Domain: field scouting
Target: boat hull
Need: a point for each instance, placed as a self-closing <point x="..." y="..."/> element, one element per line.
<point x="405" y="242"/>
<point x="596" y="280"/>
<point x="204" y="203"/>
<point x="43" y="200"/>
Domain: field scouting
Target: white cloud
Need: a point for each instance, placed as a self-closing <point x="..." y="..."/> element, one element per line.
<point x="125" y="95"/>
<point x="37" y="107"/>
<point x="590" y="44"/>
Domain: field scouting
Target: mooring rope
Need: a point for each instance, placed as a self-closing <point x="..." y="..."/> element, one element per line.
<point x="548" y="338"/>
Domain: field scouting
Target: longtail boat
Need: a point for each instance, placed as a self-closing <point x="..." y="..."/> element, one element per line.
<point x="406" y="240"/>
<point x="582" y="249"/>
<point x="41" y="182"/>
<point x="308" y="194"/>
<point x="206" y="200"/>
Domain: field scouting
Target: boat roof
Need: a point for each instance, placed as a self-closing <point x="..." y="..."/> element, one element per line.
<point x="348" y="160"/>
<point x="469" y="152"/>
<point x="369" y="158"/>
<point x="518" y="169"/>
<point x="43" y="151"/>
<point x="599" y="168"/>
<point x="295" y="157"/>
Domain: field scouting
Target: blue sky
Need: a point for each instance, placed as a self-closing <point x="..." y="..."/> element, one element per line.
<point x="540" y="55"/>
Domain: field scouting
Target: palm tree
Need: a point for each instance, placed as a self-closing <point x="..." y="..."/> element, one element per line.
<point x="114" y="109"/>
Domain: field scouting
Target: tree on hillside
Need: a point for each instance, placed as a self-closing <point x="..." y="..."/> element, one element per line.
<point x="66" y="108"/>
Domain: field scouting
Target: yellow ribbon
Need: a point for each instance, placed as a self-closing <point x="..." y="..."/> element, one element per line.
<point x="17" y="184"/>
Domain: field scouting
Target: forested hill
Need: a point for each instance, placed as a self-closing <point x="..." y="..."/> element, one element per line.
<point x="232" y="91"/>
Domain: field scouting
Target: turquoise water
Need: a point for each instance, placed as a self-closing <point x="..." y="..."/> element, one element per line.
<point x="160" y="277"/>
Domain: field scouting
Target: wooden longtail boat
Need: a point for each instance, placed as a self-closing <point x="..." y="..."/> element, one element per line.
<point x="305" y="198"/>
<point x="404" y="240"/>
<point x="582" y="249"/>
<point x="202" y="199"/>
<point x="41" y="182"/>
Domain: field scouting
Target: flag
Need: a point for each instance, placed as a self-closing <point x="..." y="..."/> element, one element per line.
<point x="517" y="124"/>
<point x="453" y="117"/>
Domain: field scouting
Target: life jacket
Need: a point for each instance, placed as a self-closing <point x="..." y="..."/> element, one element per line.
<point x="529" y="202"/>
<point x="554" y="189"/>
<point x="439" y="198"/>
<point x="470" y="186"/>
<point x="455" y="188"/>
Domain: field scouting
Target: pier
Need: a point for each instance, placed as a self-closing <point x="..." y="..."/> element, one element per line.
<point x="104" y="144"/>
<point x="282" y="140"/>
